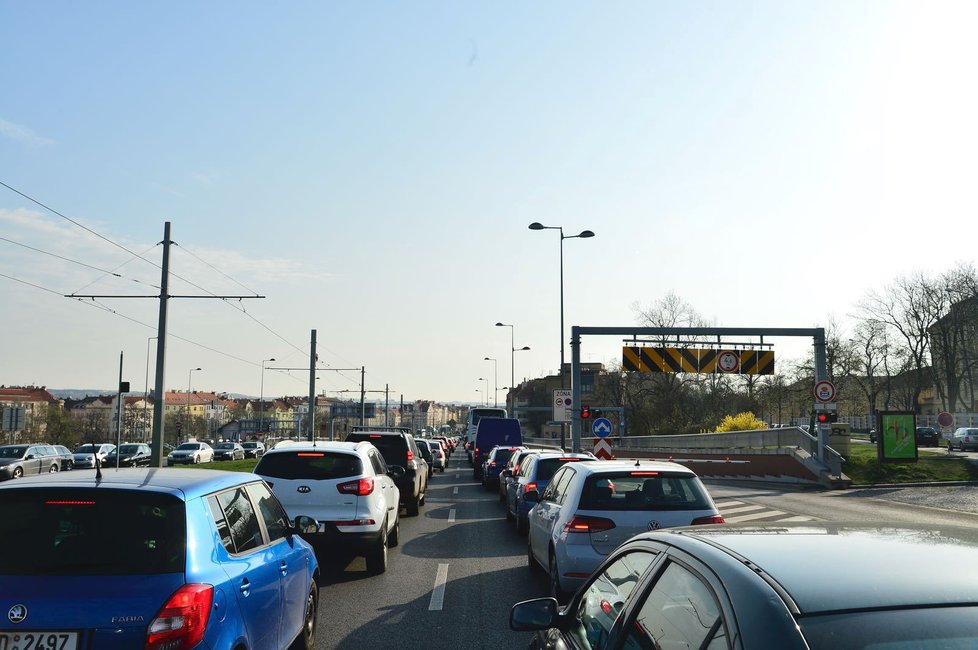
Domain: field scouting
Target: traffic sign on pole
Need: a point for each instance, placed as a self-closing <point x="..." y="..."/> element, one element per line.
<point x="602" y="449"/>
<point x="824" y="391"/>
<point x="563" y="401"/>
<point x="602" y="427"/>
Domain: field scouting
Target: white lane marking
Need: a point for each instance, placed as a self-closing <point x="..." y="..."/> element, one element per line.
<point x="451" y="516"/>
<point x="756" y="515"/>
<point x="745" y="508"/>
<point x="458" y="476"/>
<point x="438" y="593"/>
<point x="724" y="504"/>
<point x="455" y="491"/>
<point x="797" y="518"/>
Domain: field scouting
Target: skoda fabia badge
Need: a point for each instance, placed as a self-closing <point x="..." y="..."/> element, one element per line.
<point x="304" y="489"/>
<point x="17" y="613"/>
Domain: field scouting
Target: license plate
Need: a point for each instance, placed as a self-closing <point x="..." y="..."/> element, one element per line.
<point x="38" y="640"/>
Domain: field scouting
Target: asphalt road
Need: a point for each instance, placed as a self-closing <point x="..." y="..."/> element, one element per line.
<point x="459" y="568"/>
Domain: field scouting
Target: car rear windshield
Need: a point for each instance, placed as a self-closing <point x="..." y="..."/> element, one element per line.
<point x="310" y="465"/>
<point x="644" y="490"/>
<point x="547" y="467"/>
<point x="502" y="456"/>
<point x="89" y="532"/>
<point x="392" y="448"/>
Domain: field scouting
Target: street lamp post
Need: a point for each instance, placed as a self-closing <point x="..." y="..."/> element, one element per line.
<point x="495" y="381"/>
<point x="512" y="354"/>
<point x="486" y="379"/>
<point x="261" y="397"/>
<point x="584" y="234"/>
<point x="146" y="391"/>
<point x="190" y="379"/>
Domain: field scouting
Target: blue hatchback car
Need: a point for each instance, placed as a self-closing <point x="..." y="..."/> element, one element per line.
<point x="534" y="473"/>
<point x="153" y="558"/>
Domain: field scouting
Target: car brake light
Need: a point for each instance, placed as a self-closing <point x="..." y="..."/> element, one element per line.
<point x="307" y="454"/>
<point x="410" y="455"/>
<point x="643" y="473"/>
<point x="69" y="503"/>
<point x="492" y="463"/>
<point x="709" y="519"/>
<point x="580" y="524"/>
<point x="360" y="487"/>
<point x="530" y="486"/>
<point x="181" y="622"/>
<point x="375" y="435"/>
<point x="606" y="607"/>
<point x="356" y="522"/>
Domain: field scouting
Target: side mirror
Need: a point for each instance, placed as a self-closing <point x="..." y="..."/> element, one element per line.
<point x="531" y="615"/>
<point x="396" y="472"/>
<point x="306" y="525"/>
<point x="506" y="473"/>
<point x="531" y="496"/>
<point x="29" y="457"/>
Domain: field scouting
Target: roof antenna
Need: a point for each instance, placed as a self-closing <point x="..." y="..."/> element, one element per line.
<point x="637" y="463"/>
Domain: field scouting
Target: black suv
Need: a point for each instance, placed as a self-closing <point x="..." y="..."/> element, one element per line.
<point x="927" y="436"/>
<point x="398" y="447"/>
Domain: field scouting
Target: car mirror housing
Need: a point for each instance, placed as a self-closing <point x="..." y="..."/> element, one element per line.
<point x="396" y="472"/>
<point x="531" y="496"/>
<point x="531" y="615"/>
<point x="306" y="525"/>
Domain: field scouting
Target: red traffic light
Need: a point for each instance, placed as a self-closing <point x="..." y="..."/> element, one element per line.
<point x="827" y="417"/>
<point x="585" y="412"/>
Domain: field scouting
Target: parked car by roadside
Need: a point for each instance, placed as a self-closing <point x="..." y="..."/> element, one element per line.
<point x="347" y="487"/>
<point x="253" y="448"/>
<point x="927" y="437"/>
<point x="963" y="438"/>
<point x="592" y="507"/>
<point x="744" y="587"/>
<point x="130" y="455"/>
<point x="161" y="559"/>
<point x="85" y="455"/>
<point x="191" y="453"/>
<point x="228" y="451"/>
<point x="67" y="458"/>
<point x="23" y="460"/>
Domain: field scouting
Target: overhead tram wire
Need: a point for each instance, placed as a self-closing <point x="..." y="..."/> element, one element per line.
<point x="67" y="259"/>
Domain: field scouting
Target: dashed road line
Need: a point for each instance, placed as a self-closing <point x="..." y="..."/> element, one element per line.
<point x="438" y="592"/>
<point x="455" y="491"/>
<point x="451" y="516"/>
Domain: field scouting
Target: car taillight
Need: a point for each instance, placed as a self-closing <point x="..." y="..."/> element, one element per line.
<point x="410" y="455"/>
<point x="580" y="524"/>
<point x="181" y="622"/>
<point x="492" y="463"/>
<point x="530" y="486"/>
<point x="709" y="519"/>
<point x="360" y="487"/>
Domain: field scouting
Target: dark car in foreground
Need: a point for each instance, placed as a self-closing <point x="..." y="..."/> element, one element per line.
<point x="153" y="558"/>
<point x="807" y="586"/>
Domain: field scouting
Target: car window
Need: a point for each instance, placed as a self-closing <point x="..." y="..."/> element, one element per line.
<point x="605" y="598"/>
<point x="679" y="611"/>
<point x="642" y="490"/>
<point x="217" y="513"/>
<point x="311" y="465"/>
<point x="555" y="491"/>
<point x="526" y="465"/>
<point x="77" y="532"/>
<point x="392" y="448"/>
<point x="547" y="467"/>
<point x="272" y="512"/>
<point x="241" y="519"/>
<point x="380" y="467"/>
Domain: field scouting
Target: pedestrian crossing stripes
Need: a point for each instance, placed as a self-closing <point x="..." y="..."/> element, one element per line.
<point x="734" y="511"/>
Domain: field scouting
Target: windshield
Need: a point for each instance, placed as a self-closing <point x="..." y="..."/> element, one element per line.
<point x="250" y="445"/>
<point x="188" y="446"/>
<point x="53" y="531"/>
<point x="128" y="449"/>
<point x="225" y="445"/>
<point x="12" y="452"/>
<point x="88" y="449"/>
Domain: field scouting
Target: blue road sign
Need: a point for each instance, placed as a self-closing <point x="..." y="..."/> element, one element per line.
<point x="602" y="427"/>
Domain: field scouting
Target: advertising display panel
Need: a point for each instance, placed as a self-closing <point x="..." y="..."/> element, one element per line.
<point x="896" y="441"/>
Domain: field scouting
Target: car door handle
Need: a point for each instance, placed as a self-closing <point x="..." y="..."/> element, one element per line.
<point x="245" y="587"/>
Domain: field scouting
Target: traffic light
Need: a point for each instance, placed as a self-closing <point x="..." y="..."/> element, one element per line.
<point x="826" y="417"/>
<point x="595" y="413"/>
<point x="585" y="412"/>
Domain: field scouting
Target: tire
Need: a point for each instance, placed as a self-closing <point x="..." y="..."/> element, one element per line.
<point x="307" y="637"/>
<point x="530" y="561"/>
<point x="555" y="589"/>
<point x="412" y="507"/>
<point x="377" y="556"/>
<point x="69" y="466"/>
<point x="196" y="460"/>
<point x="394" y="538"/>
<point x="522" y="525"/>
<point x="53" y="469"/>
<point x="509" y="515"/>
<point x="424" y="495"/>
<point x="18" y="472"/>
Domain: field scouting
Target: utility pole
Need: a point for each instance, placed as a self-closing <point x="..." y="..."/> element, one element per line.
<point x="156" y="459"/>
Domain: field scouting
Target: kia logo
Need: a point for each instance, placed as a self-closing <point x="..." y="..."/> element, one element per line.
<point x="17" y="613"/>
<point x="654" y="525"/>
<point x="304" y="489"/>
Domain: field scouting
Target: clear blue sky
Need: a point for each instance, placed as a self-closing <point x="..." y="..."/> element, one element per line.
<point x="372" y="168"/>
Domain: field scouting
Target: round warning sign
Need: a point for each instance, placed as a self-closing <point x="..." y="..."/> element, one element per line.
<point x="824" y="391"/>
<point x="728" y="361"/>
<point x="945" y="419"/>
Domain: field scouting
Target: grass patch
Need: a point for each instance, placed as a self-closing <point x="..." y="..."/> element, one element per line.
<point x="863" y="468"/>
<point x="246" y="465"/>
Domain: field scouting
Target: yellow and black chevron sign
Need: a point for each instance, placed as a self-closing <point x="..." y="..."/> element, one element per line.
<point x="745" y="362"/>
